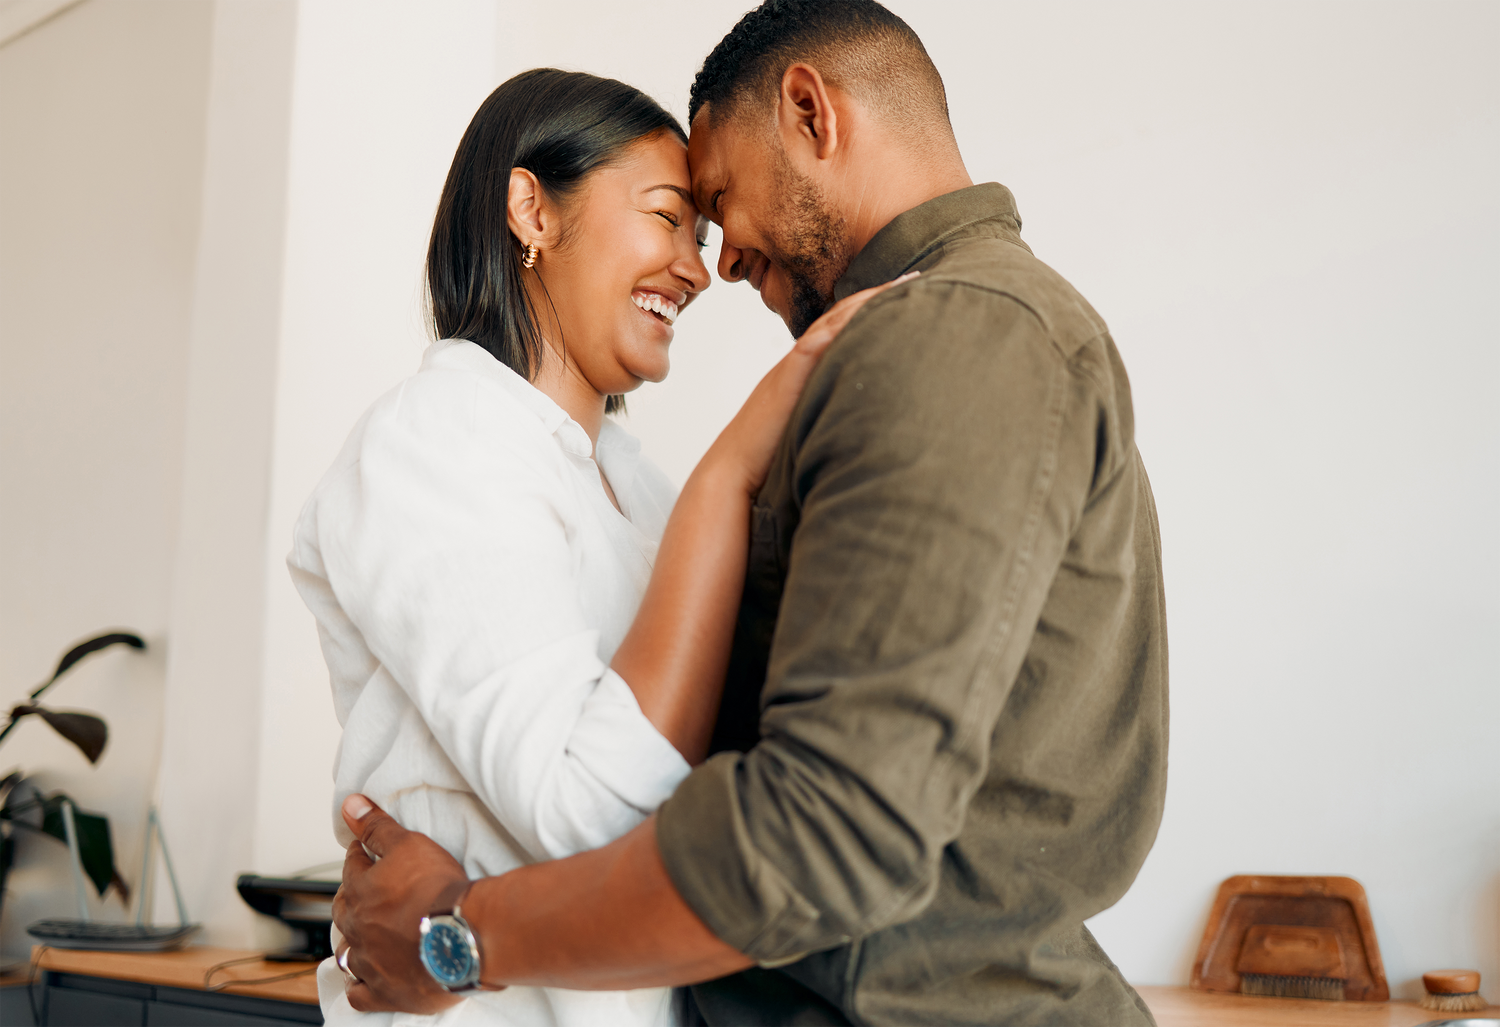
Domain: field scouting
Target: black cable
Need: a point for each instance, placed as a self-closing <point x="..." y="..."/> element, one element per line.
<point x="36" y="961"/>
<point x="209" y="973"/>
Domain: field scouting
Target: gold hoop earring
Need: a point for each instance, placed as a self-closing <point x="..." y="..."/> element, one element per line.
<point x="530" y="258"/>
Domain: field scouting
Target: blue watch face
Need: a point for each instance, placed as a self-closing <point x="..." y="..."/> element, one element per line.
<point x="446" y="953"/>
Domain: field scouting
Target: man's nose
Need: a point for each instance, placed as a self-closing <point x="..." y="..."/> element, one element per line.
<point x="732" y="263"/>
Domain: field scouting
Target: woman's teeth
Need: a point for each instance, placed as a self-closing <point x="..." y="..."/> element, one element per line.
<point x="655" y="303"/>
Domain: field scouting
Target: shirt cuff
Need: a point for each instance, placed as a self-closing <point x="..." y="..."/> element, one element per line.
<point x="622" y="749"/>
<point x="725" y="879"/>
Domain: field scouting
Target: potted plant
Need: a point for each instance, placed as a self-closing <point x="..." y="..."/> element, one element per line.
<point x="25" y="809"/>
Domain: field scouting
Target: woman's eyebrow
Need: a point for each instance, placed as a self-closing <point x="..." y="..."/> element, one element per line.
<point x="679" y="190"/>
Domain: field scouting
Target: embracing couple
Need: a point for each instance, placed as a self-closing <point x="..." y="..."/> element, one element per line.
<point x="864" y="724"/>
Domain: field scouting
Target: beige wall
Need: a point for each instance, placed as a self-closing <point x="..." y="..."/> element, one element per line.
<point x="383" y="90"/>
<point x="330" y="127"/>
<point x="1283" y="211"/>
<point x="101" y="155"/>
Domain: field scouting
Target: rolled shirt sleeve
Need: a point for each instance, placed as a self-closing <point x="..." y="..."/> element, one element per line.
<point x="937" y="477"/>
<point x="446" y="546"/>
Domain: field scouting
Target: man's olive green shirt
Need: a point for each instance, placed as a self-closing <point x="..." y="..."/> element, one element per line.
<point x="943" y="740"/>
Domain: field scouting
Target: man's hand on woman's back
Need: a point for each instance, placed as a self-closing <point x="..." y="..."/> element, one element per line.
<point x="381" y="903"/>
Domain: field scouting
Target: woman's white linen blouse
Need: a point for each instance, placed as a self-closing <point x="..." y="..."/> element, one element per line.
<point x="471" y="581"/>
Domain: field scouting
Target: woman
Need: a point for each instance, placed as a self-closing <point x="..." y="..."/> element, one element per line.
<point x="512" y="677"/>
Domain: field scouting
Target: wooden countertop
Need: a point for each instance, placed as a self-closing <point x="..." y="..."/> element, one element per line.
<point x="185" y="969"/>
<point x="1172" y="1007"/>
<point x="1184" y="1007"/>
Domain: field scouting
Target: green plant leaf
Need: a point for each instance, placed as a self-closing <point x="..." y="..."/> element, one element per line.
<point x="7" y="857"/>
<point x="84" y="730"/>
<point x="7" y="784"/>
<point x="83" y="649"/>
<point x="94" y="847"/>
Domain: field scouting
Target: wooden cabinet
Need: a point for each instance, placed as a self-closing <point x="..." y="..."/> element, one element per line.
<point x="80" y="1007"/>
<point x="73" y="1000"/>
<point x="87" y="989"/>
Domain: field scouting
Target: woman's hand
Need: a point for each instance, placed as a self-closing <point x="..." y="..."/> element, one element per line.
<point x="749" y="441"/>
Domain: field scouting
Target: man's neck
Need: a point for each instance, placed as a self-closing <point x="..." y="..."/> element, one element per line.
<point x="880" y="200"/>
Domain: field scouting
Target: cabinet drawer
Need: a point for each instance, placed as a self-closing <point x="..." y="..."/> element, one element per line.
<point x="167" y="1014"/>
<point x="67" y="1007"/>
<point x="179" y="1006"/>
<point x="75" y="1000"/>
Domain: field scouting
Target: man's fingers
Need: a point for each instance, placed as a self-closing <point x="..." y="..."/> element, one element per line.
<point x="356" y="965"/>
<point x="355" y="808"/>
<point x="340" y="897"/>
<point x="356" y="859"/>
<point x="363" y="999"/>
<point x="361" y="995"/>
<point x="356" y="862"/>
<point x="382" y="834"/>
<point x="375" y="827"/>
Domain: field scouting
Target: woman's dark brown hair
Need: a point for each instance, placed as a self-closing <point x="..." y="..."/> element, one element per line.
<point x="560" y="126"/>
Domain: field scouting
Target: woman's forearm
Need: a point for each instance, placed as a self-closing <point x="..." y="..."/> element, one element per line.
<point x="677" y="650"/>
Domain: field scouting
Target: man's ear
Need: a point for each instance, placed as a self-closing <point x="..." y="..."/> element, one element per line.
<point x="806" y="116"/>
<point x="526" y="210"/>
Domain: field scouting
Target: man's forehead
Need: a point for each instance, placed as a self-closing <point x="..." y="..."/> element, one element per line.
<point x="708" y="152"/>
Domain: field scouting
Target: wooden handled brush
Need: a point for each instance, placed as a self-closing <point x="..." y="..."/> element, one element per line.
<point x="1452" y="991"/>
<point x="1292" y="962"/>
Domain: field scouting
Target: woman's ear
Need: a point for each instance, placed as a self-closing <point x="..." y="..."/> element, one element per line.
<point x="525" y="211"/>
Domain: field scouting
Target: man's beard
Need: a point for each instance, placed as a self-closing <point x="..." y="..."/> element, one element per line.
<point x="811" y="248"/>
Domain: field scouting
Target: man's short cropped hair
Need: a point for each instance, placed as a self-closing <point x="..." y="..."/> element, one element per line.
<point x="856" y="45"/>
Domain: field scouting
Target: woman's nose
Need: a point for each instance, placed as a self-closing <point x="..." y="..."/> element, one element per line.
<point x="692" y="271"/>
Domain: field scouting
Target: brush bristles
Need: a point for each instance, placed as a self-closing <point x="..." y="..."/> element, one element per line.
<point x="1463" y="1002"/>
<point x="1329" y="989"/>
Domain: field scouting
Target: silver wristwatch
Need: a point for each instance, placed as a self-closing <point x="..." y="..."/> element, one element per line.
<point x="449" y="950"/>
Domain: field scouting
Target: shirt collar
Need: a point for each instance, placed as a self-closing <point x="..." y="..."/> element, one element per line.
<point x="619" y="453"/>
<point x="473" y="357"/>
<point x="915" y="233"/>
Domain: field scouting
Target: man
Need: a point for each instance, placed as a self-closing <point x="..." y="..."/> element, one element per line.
<point x="942" y="745"/>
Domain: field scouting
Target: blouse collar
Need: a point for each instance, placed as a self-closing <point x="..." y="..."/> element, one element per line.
<point x="470" y="356"/>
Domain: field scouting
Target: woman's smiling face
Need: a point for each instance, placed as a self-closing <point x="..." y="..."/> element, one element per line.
<point x="626" y="265"/>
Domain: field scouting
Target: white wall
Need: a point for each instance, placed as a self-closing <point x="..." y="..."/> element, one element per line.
<point x="1287" y="214"/>
<point x="210" y="756"/>
<point x="1279" y="209"/>
<point x="383" y="91"/>
<point x="331" y="125"/>
<point x="101" y="144"/>
<point x="307" y="158"/>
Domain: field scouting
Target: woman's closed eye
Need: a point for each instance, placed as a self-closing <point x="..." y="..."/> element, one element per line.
<point x="676" y="222"/>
